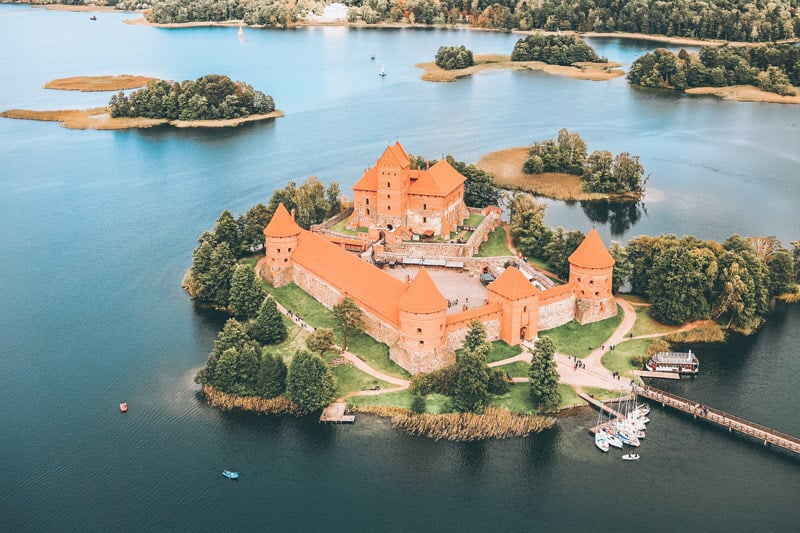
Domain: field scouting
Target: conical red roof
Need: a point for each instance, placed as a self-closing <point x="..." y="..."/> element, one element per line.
<point x="592" y="253"/>
<point x="513" y="285"/>
<point x="422" y="296"/>
<point x="282" y="224"/>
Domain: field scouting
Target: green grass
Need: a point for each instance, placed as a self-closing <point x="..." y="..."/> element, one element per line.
<point x="568" y="396"/>
<point x="350" y="379"/>
<point x="602" y="394"/>
<point x="632" y="298"/>
<point x="495" y="245"/>
<point x="577" y="340"/>
<point x="473" y="220"/>
<point x="341" y="227"/>
<point x="295" y="341"/>
<point x="517" y="369"/>
<point x="374" y="353"/>
<point x="434" y="403"/>
<point x="544" y="265"/>
<point x="517" y="399"/>
<point x="500" y="350"/>
<point x="646" y="324"/>
<point x="619" y="358"/>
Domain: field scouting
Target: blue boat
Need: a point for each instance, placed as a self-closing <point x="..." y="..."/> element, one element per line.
<point x="230" y="475"/>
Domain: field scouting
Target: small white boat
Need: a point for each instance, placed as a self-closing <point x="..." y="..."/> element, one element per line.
<point x="382" y="72"/>
<point x="230" y="475"/>
<point x="601" y="441"/>
<point x="613" y="440"/>
<point x="627" y="438"/>
<point x="643" y="408"/>
<point x="630" y="457"/>
<point x="241" y="33"/>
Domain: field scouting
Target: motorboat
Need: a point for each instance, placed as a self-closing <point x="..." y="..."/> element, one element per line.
<point x="123" y="407"/>
<point x="230" y="475"/>
<point x="630" y="457"/>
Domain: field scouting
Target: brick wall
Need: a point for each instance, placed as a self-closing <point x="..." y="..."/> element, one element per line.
<point x="557" y="312"/>
<point x="457" y="332"/>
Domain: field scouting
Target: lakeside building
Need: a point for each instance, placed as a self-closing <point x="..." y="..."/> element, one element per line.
<point x="419" y="324"/>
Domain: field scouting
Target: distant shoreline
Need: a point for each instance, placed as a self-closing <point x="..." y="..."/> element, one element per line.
<point x="577" y="71"/>
<point x="99" y="118"/>
<point x="121" y="82"/>
<point x="745" y="93"/>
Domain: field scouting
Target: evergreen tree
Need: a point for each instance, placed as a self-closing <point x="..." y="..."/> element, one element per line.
<point x="417" y="404"/>
<point x="224" y="377"/>
<point x="476" y="337"/>
<point x="269" y="327"/>
<point x="271" y="379"/>
<point x="349" y="316"/>
<point x="471" y="392"/>
<point x="223" y="263"/>
<point x="226" y="230"/>
<point x="231" y="336"/>
<point x="309" y="382"/>
<point x="781" y="273"/>
<point x="200" y="275"/>
<point x="528" y="227"/>
<point x="334" y="198"/>
<point x="622" y="267"/>
<point x="544" y="376"/>
<point x="251" y="228"/>
<point x="320" y="341"/>
<point x="246" y="293"/>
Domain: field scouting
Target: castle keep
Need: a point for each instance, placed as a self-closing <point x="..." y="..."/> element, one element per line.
<point x="412" y="316"/>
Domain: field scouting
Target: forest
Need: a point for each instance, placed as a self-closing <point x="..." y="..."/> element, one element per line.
<point x="732" y="20"/>
<point x="210" y="97"/>
<point x="555" y="50"/>
<point x="773" y="67"/>
<point x="454" y="57"/>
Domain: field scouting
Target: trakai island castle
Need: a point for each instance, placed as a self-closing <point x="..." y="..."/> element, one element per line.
<point x="411" y="223"/>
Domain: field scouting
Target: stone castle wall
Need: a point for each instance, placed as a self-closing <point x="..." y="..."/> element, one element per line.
<point x="587" y="311"/>
<point x="557" y="311"/>
<point x="457" y="332"/>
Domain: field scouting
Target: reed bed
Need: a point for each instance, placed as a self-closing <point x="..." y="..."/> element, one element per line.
<point x="702" y="334"/>
<point x="228" y="402"/>
<point x="746" y="93"/>
<point x="790" y="297"/>
<point x="99" y="83"/>
<point x="494" y="423"/>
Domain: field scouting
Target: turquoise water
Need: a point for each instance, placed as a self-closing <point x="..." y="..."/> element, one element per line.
<point x="97" y="229"/>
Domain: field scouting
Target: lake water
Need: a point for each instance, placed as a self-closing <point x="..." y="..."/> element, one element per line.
<point x="97" y="229"/>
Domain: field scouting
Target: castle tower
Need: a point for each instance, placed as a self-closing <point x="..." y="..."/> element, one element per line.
<point x="591" y="268"/>
<point x="393" y="180"/>
<point x="519" y="306"/>
<point x="423" y="339"/>
<point x="280" y="238"/>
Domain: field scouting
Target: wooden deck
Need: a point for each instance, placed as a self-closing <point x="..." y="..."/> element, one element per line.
<point x="603" y="407"/>
<point x="733" y="423"/>
<point x="335" y="413"/>
<point x="652" y="374"/>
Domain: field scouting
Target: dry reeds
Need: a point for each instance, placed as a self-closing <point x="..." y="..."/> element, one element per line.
<point x="746" y="93"/>
<point x="702" y="334"/>
<point x="228" y="402"/>
<point x="790" y="297"/>
<point x="99" y="83"/>
<point x="494" y="423"/>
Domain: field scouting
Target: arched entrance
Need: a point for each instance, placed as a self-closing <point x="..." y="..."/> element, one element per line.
<point x="523" y="331"/>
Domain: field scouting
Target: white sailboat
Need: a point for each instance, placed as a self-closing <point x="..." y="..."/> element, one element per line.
<point x="612" y="439"/>
<point x="241" y="33"/>
<point x="382" y="72"/>
<point x="601" y="440"/>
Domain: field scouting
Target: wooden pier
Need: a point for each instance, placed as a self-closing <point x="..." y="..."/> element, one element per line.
<point x="603" y="407"/>
<point x="715" y="416"/>
<point x="335" y="413"/>
<point x="653" y="374"/>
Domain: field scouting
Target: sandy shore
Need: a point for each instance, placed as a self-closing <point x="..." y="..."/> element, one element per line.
<point x="99" y="83"/>
<point x="580" y="71"/>
<point x="83" y="9"/>
<point x="506" y="167"/>
<point x="746" y="93"/>
<point x="99" y="119"/>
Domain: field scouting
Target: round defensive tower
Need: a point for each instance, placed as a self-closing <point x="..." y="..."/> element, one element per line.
<point x="423" y="337"/>
<point x="591" y="269"/>
<point x="280" y="238"/>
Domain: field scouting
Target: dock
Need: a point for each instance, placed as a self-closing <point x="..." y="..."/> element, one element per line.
<point x="603" y="407"/>
<point x="768" y="436"/>
<point x="654" y="374"/>
<point x="335" y="413"/>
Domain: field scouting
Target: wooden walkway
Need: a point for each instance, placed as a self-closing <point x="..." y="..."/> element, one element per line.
<point x="335" y="413"/>
<point x="603" y="407"/>
<point x="651" y="374"/>
<point x="764" y="434"/>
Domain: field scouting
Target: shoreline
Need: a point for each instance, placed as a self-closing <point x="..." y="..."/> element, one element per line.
<point x="121" y="82"/>
<point x="577" y="71"/>
<point x="88" y="8"/>
<point x="98" y="118"/>
<point x="745" y="93"/>
<point x="506" y="167"/>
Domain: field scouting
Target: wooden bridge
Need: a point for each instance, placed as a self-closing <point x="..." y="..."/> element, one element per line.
<point x="733" y="423"/>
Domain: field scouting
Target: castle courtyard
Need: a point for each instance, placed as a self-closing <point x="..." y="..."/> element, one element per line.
<point x="455" y="285"/>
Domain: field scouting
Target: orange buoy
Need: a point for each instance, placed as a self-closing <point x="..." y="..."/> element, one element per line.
<point x="123" y="407"/>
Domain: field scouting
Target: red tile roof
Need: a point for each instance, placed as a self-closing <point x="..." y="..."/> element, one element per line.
<point x="557" y="292"/>
<point x="397" y="155"/>
<point x="592" y="253"/>
<point x="471" y="314"/>
<point x="439" y="180"/>
<point x="422" y="296"/>
<point x="368" y="182"/>
<point x="368" y="285"/>
<point x="282" y="224"/>
<point x="513" y="285"/>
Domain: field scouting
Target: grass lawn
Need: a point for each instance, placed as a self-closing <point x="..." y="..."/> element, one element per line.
<point x="341" y="227"/>
<point x="376" y="354"/>
<point x="646" y="324"/>
<point x="619" y="358"/>
<point x="601" y="394"/>
<point x="434" y="403"/>
<point x="495" y="245"/>
<point x="295" y="340"/>
<point x="517" y="369"/>
<point x="569" y="397"/>
<point x="473" y="220"/>
<point x="518" y="399"/>
<point x="500" y="350"/>
<point x="544" y="265"/>
<point x="350" y="379"/>
<point x="577" y="340"/>
<point x="632" y="298"/>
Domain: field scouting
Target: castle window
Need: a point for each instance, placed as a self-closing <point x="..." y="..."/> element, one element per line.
<point x="591" y="282"/>
<point x="597" y="294"/>
<point x="279" y="250"/>
<point x="421" y="343"/>
<point x="367" y="211"/>
<point x="285" y="260"/>
<point x="388" y="208"/>
<point x="367" y="201"/>
<point x="290" y="250"/>
<point x="425" y="206"/>
<point x="525" y="309"/>
<point x="388" y="184"/>
<point x="388" y="196"/>
<point x="419" y="330"/>
<point x="424" y="220"/>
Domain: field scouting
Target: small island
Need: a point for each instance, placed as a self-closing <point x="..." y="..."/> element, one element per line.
<point x="122" y="82"/>
<point x="563" y="169"/>
<point x="211" y="101"/>
<point x="766" y="73"/>
<point x="554" y="54"/>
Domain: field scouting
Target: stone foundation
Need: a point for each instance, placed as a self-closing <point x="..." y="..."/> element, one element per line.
<point x="587" y="311"/>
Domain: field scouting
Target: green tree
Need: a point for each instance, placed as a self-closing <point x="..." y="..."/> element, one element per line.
<point x="476" y="337"/>
<point x="223" y="264"/>
<point x="246" y="293"/>
<point x="269" y="327"/>
<point x="309" y="382"/>
<point x="349" y="316"/>
<point x="528" y="227"/>
<point x="233" y="337"/>
<point x="796" y="258"/>
<point x="622" y="267"/>
<point x="226" y="230"/>
<point x="200" y="274"/>
<point x="781" y="273"/>
<point x="271" y="380"/>
<point x="251" y="228"/>
<point x="312" y="207"/>
<point x="471" y="392"/>
<point x="454" y="57"/>
<point x="417" y="403"/>
<point x="320" y="341"/>
<point x="560" y="247"/>
<point x="333" y="196"/>
<point x="544" y="376"/>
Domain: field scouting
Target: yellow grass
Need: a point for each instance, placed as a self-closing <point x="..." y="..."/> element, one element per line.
<point x="100" y="119"/>
<point x="580" y="71"/>
<point x="228" y="402"/>
<point x="708" y="333"/>
<point x="494" y="423"/>
<point x="506" y="167"/>
<point x="99" y="83"/>
<point x="746" y="93"/>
